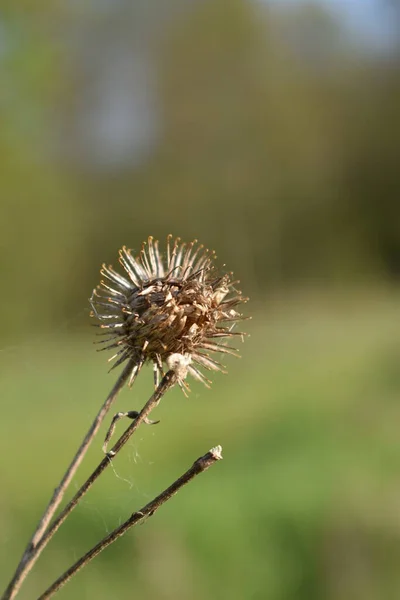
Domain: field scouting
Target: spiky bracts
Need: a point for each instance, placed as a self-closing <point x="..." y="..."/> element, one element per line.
<point x="173" y="310"/>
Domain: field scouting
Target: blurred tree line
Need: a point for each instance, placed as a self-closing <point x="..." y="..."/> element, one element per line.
<point x="277" y="145"/>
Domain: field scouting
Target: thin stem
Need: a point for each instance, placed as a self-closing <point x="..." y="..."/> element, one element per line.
<point x="167" y="382"/>
<point x="200" y="465"/>
<point x="33" y="549"/>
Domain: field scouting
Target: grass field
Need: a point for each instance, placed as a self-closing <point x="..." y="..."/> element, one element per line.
<point x="305" y="504"/>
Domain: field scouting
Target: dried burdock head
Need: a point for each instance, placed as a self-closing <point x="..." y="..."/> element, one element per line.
<point x="174" y="309"/>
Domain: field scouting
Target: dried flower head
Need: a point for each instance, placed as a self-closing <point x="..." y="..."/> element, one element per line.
<point x="173" y="310"/>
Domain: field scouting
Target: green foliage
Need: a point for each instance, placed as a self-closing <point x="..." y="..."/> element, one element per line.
<point x="278" y="147"/>
<point x="304" y="504"/>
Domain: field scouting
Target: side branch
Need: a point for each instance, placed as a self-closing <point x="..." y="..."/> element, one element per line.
<point x="33" y="549"/>
<point x="168" y="381"/>
<point x="200" y="465"/>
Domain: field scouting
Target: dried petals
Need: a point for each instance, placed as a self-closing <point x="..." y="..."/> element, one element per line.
<point x="171" y="310"/>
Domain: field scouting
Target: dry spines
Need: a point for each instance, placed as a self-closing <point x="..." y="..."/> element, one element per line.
<point x="172" y="306"/>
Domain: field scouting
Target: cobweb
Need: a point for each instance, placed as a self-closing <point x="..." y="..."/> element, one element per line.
<point x="121" y="499"/>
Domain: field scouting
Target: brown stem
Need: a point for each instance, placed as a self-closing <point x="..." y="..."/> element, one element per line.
<point x="200" y="465"/>
<point x="167" y="382"/>
<point x="34" y="547"/>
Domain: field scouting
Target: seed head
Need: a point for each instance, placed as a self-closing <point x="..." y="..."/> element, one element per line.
<point x="172" y="309"/>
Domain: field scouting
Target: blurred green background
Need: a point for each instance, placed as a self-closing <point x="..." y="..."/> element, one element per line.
<point x="270" y="131"/>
